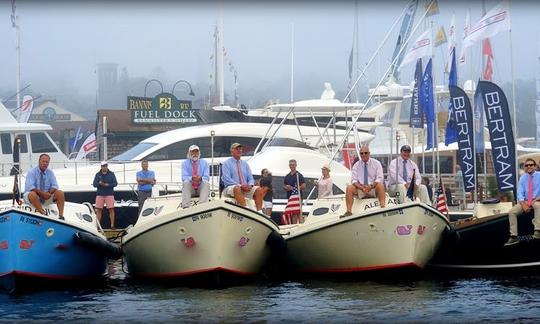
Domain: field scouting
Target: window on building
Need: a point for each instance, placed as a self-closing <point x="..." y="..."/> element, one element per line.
<point x="7" y="146"/>
<point x="41" y="143"/>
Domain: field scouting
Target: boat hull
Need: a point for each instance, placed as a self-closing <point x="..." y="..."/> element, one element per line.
<point x="215" y="237"/>
<point x="36" y="248"/>
<point x="481" y="246"/>
<point x="396" y="237"/>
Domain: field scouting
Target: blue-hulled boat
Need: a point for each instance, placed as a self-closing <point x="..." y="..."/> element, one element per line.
<point x="42" y="249"/>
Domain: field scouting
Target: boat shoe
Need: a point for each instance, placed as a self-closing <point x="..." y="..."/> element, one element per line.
<point x="536" y="235"/>
<point x="511" y="241"/>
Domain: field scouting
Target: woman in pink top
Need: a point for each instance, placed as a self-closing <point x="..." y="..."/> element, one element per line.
<point x="325" y="185"/>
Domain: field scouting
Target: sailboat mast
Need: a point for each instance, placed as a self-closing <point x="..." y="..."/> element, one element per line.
<point x="219" y="62"/>
<point x="14" y="23"/>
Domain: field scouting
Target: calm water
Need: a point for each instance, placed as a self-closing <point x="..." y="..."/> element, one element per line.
<point x="458" y="299"/>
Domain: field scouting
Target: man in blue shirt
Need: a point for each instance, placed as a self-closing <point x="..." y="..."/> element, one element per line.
<point x="294" y="179"/>
<point x="238" y="179"/>
<point x="146" y="179"/>
<point x="528" y="196"/>
<point x="41" y="187"/>
<point x="195" y="177"/>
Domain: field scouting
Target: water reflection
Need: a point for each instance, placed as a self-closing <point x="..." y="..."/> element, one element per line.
<point x="500" y="298"/>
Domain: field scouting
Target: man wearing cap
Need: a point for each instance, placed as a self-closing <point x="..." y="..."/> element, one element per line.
<point x="400" y="175"/>
<point x="105" y="181"/>
<point x="41" y="187"/>
<point x="146" y="179"/>
<point x="238" y="179"/>
<point x="195" y="177"/>
<point x="366" y="180"/>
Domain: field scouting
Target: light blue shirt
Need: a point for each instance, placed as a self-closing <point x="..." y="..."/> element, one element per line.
<point x="202" y="170"/>
<point x="33" y="180"/>
<point x="229" y="172"/>
<point x="148" y="174"/>
<point x="523" y="186"/>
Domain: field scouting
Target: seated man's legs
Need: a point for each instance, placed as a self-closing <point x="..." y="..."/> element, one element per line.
<point x="187" y="191"/>
<point x="381" y="194"/>
<point x="33" y="199"/>
<point x="399" y="191"/>
<point x="512" y="218"/>
<point x="59" y="198"/>
<point x="422" y="194"/>
<point x="536" y="219"/>
<point x="204" y="192"/>
<point x="258" y="196"/>
<point x="351" y="191"/>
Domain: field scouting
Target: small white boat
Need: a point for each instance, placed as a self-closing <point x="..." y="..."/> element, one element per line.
<point x="216" y="238"/>
<point x="372" y="238"/>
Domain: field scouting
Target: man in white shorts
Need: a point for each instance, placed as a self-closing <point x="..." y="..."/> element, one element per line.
<point x="238" y="179"/>
<point x="366" y="180"/>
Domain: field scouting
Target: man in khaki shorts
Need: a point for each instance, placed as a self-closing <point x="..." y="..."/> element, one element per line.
<point x="238" y="179"/>
<point x="366" y="180"/>
<point x="105" y="181"/>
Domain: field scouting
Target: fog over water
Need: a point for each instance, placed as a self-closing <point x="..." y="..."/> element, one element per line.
<point x="62" y="42"/>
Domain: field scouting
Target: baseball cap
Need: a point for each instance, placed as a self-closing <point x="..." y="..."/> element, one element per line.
<point x="405" y="148"/>
<point x="103" y="163"/>
<point x="235" y="145"/>
<point x="194" y="147"/>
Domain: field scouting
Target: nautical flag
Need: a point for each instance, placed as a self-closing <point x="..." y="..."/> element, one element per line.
<point x="26" y="109"/>
<point x="488" y="52"/>
<point x="404" y="33"/>
<point x="410" y="190"/>
<point x="425" y="97"/>
<point x="422" y="47"/>
<point x="466" y="31"/>
<point x="73" y="141"/>
<point x="416" y="118"/>
<point x="492" y="23"/>
<point x="440" y="37"/>
<point x="440" y="202"/>
<point x="89" y="145"/>
<point x="478" y="122"/>
<point x="292" y="208"/>
<point x="450" y="135"/>
<point x="432" y="8"/>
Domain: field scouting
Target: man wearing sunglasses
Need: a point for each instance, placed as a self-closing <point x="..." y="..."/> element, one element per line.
<point x="366" y="180"/>
<point x="400" y="175"/>
<point x="528" y="196"/>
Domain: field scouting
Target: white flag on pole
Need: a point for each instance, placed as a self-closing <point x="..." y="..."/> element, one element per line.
<point x="422" y="47"/>
<point x="493" y="22"/>
<point x="26" y="109"/>
<point x="89" y="145"/>
<point x="466" y="31"/>
<point x="451" y="41"/>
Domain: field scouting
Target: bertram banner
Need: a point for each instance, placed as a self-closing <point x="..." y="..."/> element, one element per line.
<point x="164" y="108"/>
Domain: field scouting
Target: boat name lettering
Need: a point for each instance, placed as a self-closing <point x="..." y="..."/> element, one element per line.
<point x="394" y="212"/>
<point x="392" y="201"/>
<point x="201" y="216"/>
<point x="30" y="220"/>
<point x="372" y="204"/>
<point x="235" y="216"/>
<point x="4" y="219"/>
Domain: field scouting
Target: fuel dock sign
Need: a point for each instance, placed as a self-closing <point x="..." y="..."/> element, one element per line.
<point x="164" y="108"/>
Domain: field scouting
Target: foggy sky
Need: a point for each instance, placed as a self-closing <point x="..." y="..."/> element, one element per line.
<point x="62" y="41"/>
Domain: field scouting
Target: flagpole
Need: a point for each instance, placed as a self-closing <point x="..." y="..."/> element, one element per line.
<point x="513" y="102"/>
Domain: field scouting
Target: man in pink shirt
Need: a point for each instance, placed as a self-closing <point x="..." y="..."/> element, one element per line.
<point x="366" y="180"/>
<point x="400" y="175"/>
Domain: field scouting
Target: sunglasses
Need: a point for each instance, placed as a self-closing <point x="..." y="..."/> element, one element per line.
<point x="406" y="151"/>
<point x="530" y="165"/>
<point x="364" y="153"/>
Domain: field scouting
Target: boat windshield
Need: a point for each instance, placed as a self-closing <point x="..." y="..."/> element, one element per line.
<point x="133" y="152"/>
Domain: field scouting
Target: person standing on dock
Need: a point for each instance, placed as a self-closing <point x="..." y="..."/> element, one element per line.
<point x="528" y="197"/>
<point x="294" y="179"/>
<point x="146" y="179"/>
<point x="41" y="187"/>
<point x="105" y="181"/>
<point x="400" y="175"/>
<point x="367" y="178"/>
<point x="195" y="177"/>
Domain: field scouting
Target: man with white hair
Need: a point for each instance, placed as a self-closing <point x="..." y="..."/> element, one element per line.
<point x="195" y="177"/>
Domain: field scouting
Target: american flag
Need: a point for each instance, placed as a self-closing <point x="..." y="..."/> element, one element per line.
<point x="292" y="208"/>
<point x="440" y="202"/>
